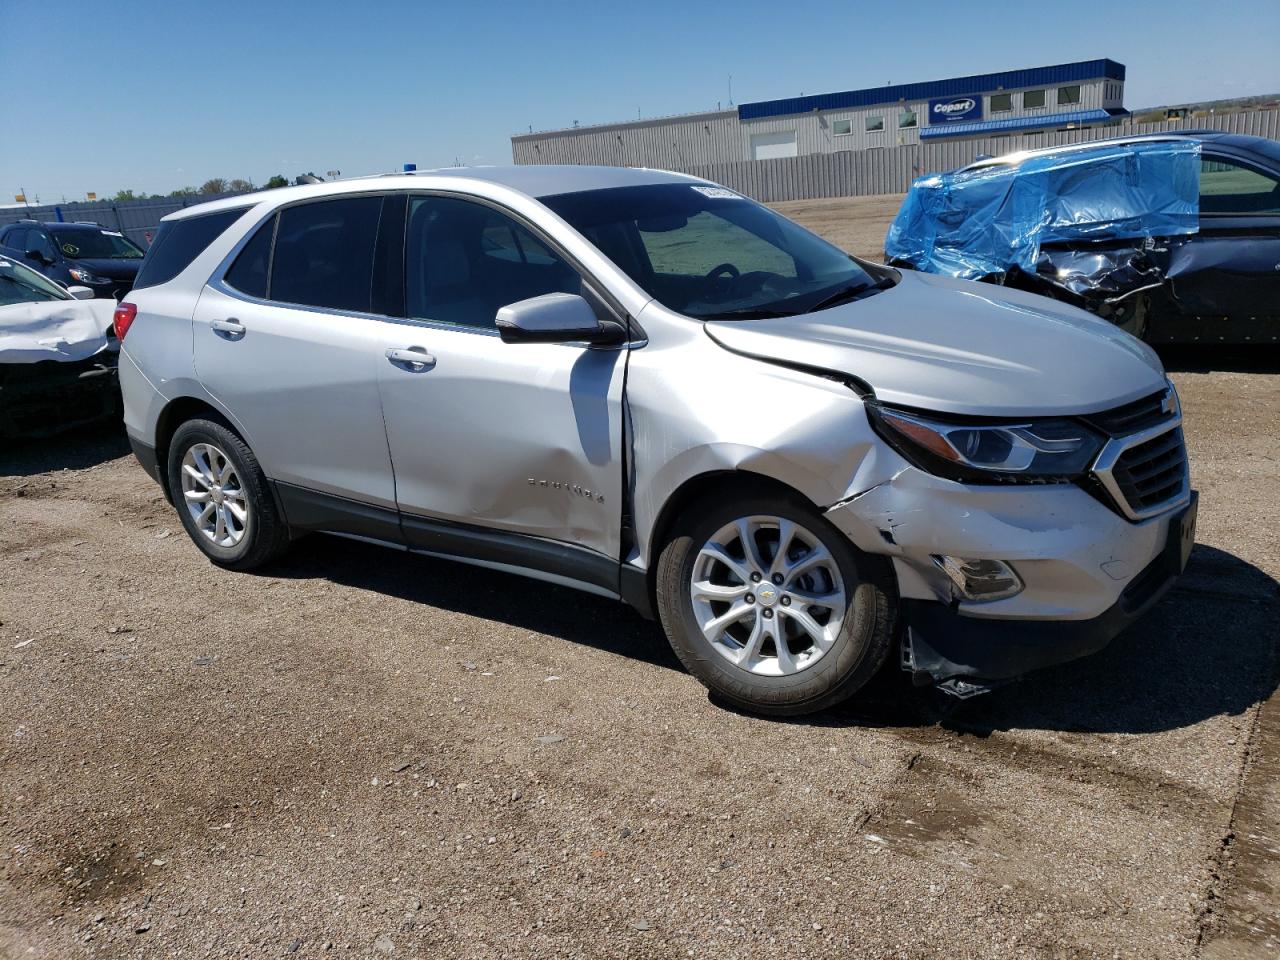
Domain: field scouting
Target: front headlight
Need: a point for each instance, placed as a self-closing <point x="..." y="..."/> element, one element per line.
<point x="81" y="275"/>
<point x="1026" y="451"/>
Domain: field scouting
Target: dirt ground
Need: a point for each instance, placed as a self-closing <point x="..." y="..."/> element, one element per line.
<point x="363" y="753"/>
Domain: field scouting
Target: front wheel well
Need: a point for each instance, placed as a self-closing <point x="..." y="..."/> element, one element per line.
<point x="720" y="485"/>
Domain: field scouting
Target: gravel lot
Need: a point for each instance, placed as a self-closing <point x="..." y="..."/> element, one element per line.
<point x="362" y="753"/>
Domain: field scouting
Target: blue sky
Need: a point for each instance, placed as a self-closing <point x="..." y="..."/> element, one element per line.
<point x="157" y="95"/>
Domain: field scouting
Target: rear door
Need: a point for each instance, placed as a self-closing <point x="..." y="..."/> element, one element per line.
<point x="289" y="341"/>
<point x="517" y="439"/>
<point x="1225" y="280"/>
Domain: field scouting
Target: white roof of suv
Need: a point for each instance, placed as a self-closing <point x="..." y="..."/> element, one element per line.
<point x="533" y="180"/>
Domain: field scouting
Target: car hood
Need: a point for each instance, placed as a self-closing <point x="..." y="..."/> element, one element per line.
<point x="111" y="269"/>
<point x="66" y="330"/>
<point x="961" y="347"/>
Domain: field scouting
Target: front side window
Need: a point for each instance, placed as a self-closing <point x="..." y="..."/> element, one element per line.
<point x="907" y="118"/>
<point x="39" y="242"/>
<point x="1001" y="102"/>
<point x="324" y="254"/>
<point x="842" y="128"/>
<point x="19" y="284"/>
<point x="874" y="124"/>
<point x="465" y="260"/>
<point x="92" y="243"/>
<point x="1069" y="94"/>
<point x="709" y="253"/>
<point x="1227" y="186"/>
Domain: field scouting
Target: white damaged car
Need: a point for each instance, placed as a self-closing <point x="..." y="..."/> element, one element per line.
<point x="58" y="355"/>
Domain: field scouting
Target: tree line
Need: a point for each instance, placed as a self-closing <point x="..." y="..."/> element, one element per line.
<point x="208" y="188"/>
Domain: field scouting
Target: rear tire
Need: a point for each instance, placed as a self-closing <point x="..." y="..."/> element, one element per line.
<point x="777" y="632"/>
<point x="222" y="497"/>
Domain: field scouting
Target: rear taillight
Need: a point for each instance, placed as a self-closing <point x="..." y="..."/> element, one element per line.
<point x="123" y="319"/>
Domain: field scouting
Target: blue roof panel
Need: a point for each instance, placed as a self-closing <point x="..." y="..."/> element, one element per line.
<point x="872" y="96"/>
<point x="1018" y="123"/>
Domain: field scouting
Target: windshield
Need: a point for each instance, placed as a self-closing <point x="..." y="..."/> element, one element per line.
<point x="18" y="284"/>
<point x="93" y="243"/>
<point x="709" y="253"/>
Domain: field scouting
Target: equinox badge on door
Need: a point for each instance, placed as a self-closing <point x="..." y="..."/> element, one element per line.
<point x="574" y="488"/>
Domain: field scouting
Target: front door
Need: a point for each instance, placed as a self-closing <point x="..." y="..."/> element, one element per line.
<point x="295" y="356"/>
<point x="1227" y="276"/>
<point x="507" y="452"/>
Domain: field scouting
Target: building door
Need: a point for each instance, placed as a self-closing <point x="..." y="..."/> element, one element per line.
<point x="770" y="146"/>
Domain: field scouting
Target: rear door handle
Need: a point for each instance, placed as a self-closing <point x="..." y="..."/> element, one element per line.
<point x="232" y="328"/>
<point x="415" y="358"/>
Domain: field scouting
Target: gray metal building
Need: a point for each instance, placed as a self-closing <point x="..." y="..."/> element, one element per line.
<point x="1058" y="97"/>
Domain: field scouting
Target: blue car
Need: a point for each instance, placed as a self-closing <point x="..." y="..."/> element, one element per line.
<point x="75" y="254"/>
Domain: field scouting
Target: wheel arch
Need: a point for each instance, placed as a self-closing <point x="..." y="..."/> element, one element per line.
<point x="175" y="413"/>
<point x="640" y="591"/>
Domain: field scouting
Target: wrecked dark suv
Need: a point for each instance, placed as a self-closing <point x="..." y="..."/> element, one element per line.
<point x="1175" y="238"/>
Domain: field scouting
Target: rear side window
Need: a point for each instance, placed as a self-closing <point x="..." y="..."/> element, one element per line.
<point x="1230" y="187"/>
<point x="181" y="241"/>
<point x="249" y="273"/>
<point x="324" y="254"/>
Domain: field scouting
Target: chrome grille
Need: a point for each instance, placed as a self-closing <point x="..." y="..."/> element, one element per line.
<point x="1152" y="473"/>
<point x="1132" y="417"/>
<point x="1144" y="470"/>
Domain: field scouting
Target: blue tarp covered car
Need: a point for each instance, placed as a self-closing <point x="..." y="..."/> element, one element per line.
<point x="1160" y="234"/>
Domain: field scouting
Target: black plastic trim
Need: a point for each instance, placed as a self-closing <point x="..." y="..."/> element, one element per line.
<point x="313" y="511"/>
<point x="147" y="456"/>
<point x="514" y="549"/>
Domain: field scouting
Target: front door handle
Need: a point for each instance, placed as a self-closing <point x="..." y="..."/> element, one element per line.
<point x="231" y="328"/>
<point x="415" y="358"/>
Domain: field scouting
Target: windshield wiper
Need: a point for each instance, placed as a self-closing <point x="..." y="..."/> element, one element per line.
<point x="849" y="292"/>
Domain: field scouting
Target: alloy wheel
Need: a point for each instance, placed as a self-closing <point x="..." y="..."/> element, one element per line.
<point x="768" y="595"/>
<point x="214" y="495"/>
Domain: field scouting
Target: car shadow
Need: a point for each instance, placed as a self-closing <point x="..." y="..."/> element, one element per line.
<point x="1211" y="357"/>
<point x="1208" y="648"/>
<point x="513" y="600"/>
<point x="76" y="449"/>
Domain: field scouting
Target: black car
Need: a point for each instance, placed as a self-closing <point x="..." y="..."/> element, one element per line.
<point x="1218" y="283"/>
<point x="75" y="254"/>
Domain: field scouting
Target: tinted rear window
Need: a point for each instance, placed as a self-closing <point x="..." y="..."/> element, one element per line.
<point x="181" y="241"/>
<point x="324" y="254"/>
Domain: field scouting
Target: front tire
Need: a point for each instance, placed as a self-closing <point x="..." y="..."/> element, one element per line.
<point x="771" y="607"/>
<point x="222" y="498"/>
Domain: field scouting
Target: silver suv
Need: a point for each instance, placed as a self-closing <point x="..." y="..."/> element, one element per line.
<point x="648" y="387"/>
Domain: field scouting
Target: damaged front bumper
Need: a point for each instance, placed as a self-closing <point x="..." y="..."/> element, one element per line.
<point x="1086" y="572"/>
<point x="48" y="397"/>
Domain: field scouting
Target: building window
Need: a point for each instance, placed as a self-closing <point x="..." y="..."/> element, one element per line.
<point x="1032" y="99"/>
<point x="842" y="128"/>
<point x="875" y="124"/>
<point x="1069" y="94"/>
<point x="1001" y="102"/>
<point x="908" y="118"/>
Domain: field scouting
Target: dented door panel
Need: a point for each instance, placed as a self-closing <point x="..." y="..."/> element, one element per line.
<point x="522" y="437"/>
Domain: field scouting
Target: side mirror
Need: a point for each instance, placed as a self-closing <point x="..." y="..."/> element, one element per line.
<point x="555" y="318"/>
<point x="38" y="256"/>
<point x="80" y="293"/>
